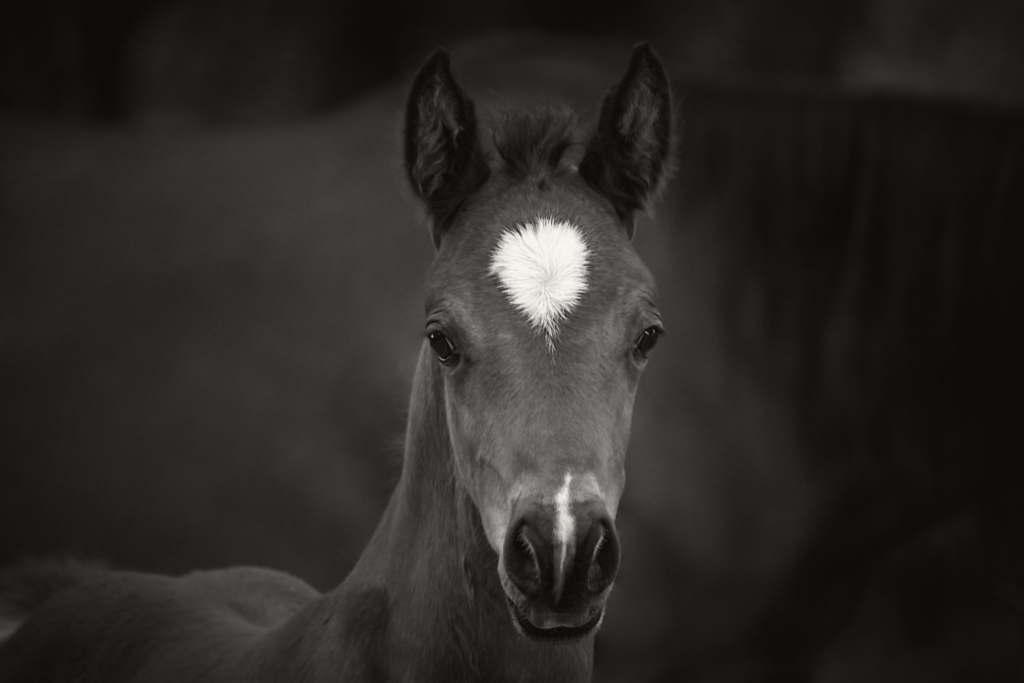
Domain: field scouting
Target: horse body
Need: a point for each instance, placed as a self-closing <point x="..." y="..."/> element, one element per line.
<point x="498" y="549"/>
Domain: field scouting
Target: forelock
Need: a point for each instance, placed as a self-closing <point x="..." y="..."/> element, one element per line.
<point x="535" y="143"/>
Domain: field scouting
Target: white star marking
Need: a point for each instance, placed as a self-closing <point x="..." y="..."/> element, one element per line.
<point x="542" y="268"/>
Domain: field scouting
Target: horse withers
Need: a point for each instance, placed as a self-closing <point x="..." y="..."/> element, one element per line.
<point x="497" y="552"/>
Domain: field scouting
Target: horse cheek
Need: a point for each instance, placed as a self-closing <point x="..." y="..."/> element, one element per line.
<point x="463" y="440"/>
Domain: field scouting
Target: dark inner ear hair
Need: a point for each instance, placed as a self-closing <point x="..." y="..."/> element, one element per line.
<point x="627" y="158"/>
<point x="443" y="157"/>
<point x="458" y="170"/>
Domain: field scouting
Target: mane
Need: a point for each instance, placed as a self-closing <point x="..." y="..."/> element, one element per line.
<point x="533" y="144"/>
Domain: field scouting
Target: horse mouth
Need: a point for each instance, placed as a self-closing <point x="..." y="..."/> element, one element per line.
<point x="555" y="634"/>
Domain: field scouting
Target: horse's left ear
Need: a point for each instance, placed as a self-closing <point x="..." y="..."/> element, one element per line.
<point x="627" y="159"/>
<point x="442" y="153"/>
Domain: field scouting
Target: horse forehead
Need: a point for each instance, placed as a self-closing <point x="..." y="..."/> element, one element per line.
<point x="533" y="261"/>
<point x="543" y="267"/>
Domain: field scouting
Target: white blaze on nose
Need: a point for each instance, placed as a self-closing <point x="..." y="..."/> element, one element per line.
<point x="565" y="526"/>
<point x="542" y="267"/>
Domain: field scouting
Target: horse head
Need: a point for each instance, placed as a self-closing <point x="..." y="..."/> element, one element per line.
<point x="541" y="317"/>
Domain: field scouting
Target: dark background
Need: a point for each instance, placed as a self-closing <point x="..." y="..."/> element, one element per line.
<point x="210" y="306"/>
<point x="272" y="60"/>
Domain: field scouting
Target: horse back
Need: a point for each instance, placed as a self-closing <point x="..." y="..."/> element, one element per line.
<point x="125" y="626"/>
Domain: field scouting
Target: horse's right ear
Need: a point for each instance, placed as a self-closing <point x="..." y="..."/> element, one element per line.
<point x="627" y="159"/>
<point x="443" y="157"/>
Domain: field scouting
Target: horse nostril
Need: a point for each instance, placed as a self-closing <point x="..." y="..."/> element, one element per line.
<point x="561" y="571"/>
<point x="521" y="562"/>
<point x="603" y="546"/>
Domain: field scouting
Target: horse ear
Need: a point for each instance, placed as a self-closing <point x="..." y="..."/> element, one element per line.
<point x="442" y="153"/>
<point x="627" y="159"/>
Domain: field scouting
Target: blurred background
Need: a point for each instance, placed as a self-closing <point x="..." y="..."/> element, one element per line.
<point x="226" y="61"/>
<point x="210" y="307"/>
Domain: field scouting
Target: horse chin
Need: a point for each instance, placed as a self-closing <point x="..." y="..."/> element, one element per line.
<point x="553" y="634"/>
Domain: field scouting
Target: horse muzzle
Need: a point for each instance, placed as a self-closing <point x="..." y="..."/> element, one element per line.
<point x="560" y="562"/>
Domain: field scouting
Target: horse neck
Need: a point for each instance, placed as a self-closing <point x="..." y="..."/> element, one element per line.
<point x="431" y="558"/>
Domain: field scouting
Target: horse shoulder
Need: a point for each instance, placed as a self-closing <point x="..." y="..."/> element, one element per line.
<point x="341" y="637"/>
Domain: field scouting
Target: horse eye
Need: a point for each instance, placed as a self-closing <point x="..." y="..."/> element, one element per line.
<point x="443" y="347"/>
<point x="647" y="340"/>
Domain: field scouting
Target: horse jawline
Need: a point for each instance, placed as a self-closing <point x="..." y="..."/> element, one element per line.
<point x="557" y="634"/>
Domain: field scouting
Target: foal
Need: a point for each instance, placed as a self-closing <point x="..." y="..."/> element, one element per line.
<point x="498" y="549"/>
